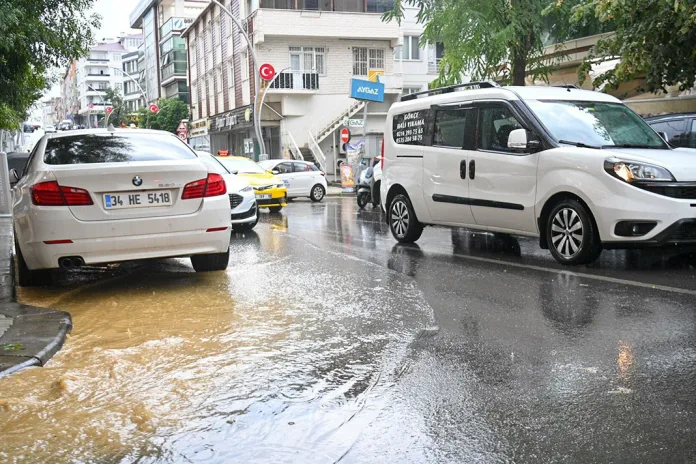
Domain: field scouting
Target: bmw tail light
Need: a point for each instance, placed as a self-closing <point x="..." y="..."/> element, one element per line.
<point x="216" y="186"/>
<point x="213" y="186"/>
<point x="52" y="194"/>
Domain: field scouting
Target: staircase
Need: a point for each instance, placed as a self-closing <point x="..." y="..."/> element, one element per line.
<point x="307" y="155"/>
<point x="338" y="121"/>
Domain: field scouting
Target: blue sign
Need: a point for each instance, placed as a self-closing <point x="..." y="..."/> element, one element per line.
<point x="367" y="90"/>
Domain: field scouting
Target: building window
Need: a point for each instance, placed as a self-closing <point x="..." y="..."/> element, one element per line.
<point x="215" y="32"/>
<point x="230" y="73"/>
<point x="192" y="50"/>
<point x="308" y="60"/>
<point x="379" y="6"/>
<point x="435" y="53"/>
<point x="376" y="61"/>
<point x="219" y="78"/>
<point x="245" y="66"/>
<point x="194" y="93"/>
<point x="410" y="50"/>
<point x="359" y="61"/>
<point x="410" y="90"/>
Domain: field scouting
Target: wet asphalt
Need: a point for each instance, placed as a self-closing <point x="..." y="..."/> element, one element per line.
<point x="331" y="343"/>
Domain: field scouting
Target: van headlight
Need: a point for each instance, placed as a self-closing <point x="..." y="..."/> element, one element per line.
<point x="631" y="171"/>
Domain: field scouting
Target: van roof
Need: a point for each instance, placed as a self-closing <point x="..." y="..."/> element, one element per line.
<point x="535" y="92"/>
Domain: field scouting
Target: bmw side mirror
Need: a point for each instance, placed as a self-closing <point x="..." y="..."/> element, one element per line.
<point x="664" y="136"/>
<point x="15" y="175"/>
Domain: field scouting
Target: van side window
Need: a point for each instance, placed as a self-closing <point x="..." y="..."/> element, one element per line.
<point x="494" y="126"/>
<point x="409" y="128"/>
<point x="449" y="128"/>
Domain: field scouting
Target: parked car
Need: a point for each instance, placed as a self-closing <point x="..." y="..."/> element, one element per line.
<point x="679" y="128"/>
<point x="270" y="190"/>
<point x="103" y="196"/>
<point x="578" y="169"/>
<point x="65" y="124"/>
<point x="50" y="129"/>
<point x="242" y="198"/>
<point x="16" y="160"/>
<point x="302" y="179"/>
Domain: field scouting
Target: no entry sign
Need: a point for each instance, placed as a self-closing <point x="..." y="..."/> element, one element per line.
<point x="109" y="110"/>
<point x="345" y="135"/>
<point x="154" y="108"/>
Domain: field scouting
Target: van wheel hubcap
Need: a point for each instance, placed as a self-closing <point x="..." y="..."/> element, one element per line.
<point x="399" y="218"/>
<point x="567" y="232"/>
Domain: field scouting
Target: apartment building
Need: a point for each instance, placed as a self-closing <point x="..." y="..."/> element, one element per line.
<point x="316" y="47"/>
<point x="419" y="64"/>
<point x="163" y="64"/>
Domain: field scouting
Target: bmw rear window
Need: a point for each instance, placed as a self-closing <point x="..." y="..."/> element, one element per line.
<point x="115" y="148"/>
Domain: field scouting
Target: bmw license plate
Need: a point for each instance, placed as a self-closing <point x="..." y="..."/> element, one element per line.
<point x="123" y="200"/>
<point x="266" y="196"/>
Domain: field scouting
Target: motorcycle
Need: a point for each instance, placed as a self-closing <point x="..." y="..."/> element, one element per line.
<point x="365" y="188"/>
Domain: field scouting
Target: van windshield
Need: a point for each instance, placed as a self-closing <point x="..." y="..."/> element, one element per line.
<point x="595" y="124"/>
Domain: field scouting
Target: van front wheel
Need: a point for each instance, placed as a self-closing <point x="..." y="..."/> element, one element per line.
<point x="403" y="222"/>
<point x="571" y="234"/>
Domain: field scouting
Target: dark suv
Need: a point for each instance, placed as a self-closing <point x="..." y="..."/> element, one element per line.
<point x="679" y="127"/>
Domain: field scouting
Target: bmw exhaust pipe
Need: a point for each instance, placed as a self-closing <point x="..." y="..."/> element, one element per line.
<point x="71" y="262"/>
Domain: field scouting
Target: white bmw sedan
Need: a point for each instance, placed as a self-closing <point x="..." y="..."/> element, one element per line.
<point x="103" y="196"/>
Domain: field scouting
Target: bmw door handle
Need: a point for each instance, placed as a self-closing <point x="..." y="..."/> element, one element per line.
<point x="462" y="169"/>
<point x="472" y="169"/>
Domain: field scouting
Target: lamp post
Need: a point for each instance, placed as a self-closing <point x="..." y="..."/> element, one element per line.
<point x="257" y="77"/>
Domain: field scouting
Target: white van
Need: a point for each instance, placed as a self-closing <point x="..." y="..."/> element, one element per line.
<point x="576" y="168"/>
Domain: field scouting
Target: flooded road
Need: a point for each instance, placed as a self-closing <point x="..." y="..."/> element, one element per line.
<point x="284" y="358"/>
<point x="325" y="342"/>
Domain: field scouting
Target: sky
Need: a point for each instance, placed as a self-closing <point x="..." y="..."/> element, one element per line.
<point x="115" y="20"/>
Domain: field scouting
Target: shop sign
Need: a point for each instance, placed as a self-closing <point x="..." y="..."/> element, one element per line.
<point x="199" y="127"/>
<point x="248" y="146"/>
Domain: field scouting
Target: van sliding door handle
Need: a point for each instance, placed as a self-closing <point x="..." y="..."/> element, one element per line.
<point x="472" y="169"/>
<point x="462" y="169"/>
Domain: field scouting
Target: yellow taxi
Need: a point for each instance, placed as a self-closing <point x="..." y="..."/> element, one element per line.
<point x="270" y="190"/>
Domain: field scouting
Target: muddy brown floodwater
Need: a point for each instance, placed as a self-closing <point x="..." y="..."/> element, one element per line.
<point x="283" y="358"/>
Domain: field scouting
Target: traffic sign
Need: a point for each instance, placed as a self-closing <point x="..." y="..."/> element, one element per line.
<point x="182" y="127"/>
<point x="267" y="72"/>
<point x="345" y="135"/>
<point x="91" y="106"/>
<point x="154" y="108"/>
<point x="182" y="135"/>
<point x="109" y="110"/>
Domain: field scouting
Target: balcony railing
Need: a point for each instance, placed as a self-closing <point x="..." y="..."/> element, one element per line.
<point x="351" y="6"/>
<point x="296" y="81"/>
<point x="177" y="68"/>
<point x="434" y="66"/>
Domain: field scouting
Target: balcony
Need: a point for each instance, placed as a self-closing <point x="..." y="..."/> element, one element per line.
<point x="174" y="25"/>
<point x="434" y="66"/>
<point x="173" y="70"/>
<point x="322" y="24"/>
<point x="295" y="81"/>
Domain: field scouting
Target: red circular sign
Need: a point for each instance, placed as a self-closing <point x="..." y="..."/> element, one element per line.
<point x="154" y="108"/>
<point x="345" y="135"/>
<point x="267" y="72"/>
<point x="182" y="135"/>
<point x="109" y="110"/>
<point x="91" y="106"/>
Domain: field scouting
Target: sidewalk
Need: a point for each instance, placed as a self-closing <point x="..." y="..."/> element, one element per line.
<point x="29" y="336"/>
<point x="334" y="191"/>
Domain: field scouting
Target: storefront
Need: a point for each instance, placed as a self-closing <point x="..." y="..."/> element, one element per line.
<point x="233" y="131"/>
<point x="199" y="134"/>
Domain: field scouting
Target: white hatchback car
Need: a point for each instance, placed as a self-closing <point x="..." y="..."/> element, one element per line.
<point x="302" y="179"/>
<point x="245" y="211"/>
<point x="103" y="196"/>
<point x="576" y="168"/>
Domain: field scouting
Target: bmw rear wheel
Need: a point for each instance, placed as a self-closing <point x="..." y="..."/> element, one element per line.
<point x="571" y="234"/>
<point x="403" y="222"/>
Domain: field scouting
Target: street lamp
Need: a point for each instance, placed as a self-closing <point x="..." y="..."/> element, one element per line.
<point x="257" y="78"/>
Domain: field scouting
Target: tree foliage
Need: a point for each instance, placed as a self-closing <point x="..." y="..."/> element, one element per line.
<point x="171" y="112"/>
<point x="494" y="39"/>
<point x="37" y="35"/>
<point x="118" y="113"/>
<point x="654" y="40"/>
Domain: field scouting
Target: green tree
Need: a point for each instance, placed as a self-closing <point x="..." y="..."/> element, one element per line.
<point x="654" y="40"/>
<point x="493" y="39"/>
<point x="118" y="113"/>
<point x="171" y="112"/>
<point x="37" y="35"/>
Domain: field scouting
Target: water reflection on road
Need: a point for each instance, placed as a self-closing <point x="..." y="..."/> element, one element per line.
<point x="283" y="358"/>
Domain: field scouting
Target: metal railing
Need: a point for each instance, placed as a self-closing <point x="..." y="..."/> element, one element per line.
<point x="177" y="68"/>
<point x="296" y="81"/>
<point x="294" y="148"/>
<point x="434" y="66"/>
<point x="316" y="151"/>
